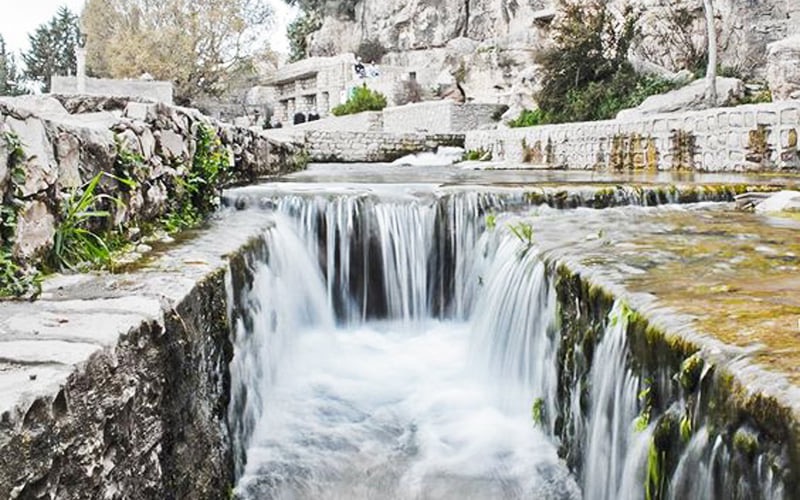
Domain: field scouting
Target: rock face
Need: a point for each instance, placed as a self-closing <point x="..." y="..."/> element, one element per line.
<point x="783" y="68"/>
<point x="506" y="35"/>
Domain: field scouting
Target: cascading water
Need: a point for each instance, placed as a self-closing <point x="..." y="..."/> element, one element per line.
<point x="399" y="348"/>
<point x="385" y="408"/>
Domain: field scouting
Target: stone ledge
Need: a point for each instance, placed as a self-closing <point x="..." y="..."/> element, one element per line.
<point x="116" y="386"/>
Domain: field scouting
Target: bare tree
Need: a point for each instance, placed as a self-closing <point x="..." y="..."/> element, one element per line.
<point x="195" y="44"/>
<point x="711" y="68"/>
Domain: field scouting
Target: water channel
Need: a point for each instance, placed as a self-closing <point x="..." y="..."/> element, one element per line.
<point x="401" y="341"/>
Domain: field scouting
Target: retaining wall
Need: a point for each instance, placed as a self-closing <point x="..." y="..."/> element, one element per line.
<point x="151" y="145"/>
<point x="760" y="137"/>
<point x="366" y="147"/>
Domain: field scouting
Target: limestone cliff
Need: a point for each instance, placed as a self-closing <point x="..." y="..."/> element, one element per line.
<point x="491" y="44"/>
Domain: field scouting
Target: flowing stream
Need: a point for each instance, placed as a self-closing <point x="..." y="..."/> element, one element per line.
<point x="406" y="348"/>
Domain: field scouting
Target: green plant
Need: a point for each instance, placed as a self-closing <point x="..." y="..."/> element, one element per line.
<point x="371" y="51"/>
<point x="16" y="279"/>
<point x="586" y="74"/>
<point x="75" y="244"/>
<point x="491" y="221"/>
<point x="529" y="118"/>
<point x="537" y="411"/>
<point x="128" y="165"/>
<point x="197" y="192"/>
<point x="523" y="231"/>
<point x="479" y="154"/>
<point x="363" y="99"/>
<point x="299" y="160"/>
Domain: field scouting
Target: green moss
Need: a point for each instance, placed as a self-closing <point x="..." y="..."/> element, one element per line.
<point x="684" y="147"/>
<point x="691" y="370"/>
<point x="745" y="442"/>
<point x="758" y="148"/>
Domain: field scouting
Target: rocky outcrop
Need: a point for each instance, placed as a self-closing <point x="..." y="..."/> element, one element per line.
<point x="688" y="98"/>
<point x="783" y="68"/>
<point x="505" y="36"/>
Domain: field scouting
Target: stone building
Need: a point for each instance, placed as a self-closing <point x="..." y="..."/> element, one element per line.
<point x="318" y="84"/>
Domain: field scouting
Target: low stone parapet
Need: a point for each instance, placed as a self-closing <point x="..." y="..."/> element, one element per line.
<point x="367" y="147"/>
<point x="761" y="137"/>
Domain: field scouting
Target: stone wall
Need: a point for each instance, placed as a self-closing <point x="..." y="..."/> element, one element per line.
<point x="368" y="121"/>
<point x="150" y="145"/>
<point x="352" y="147"/>
<point x="117" y="386"/>
<point x="438" y="116"/>
<point x="745" y="138"/>
<point x="153" y="90"/>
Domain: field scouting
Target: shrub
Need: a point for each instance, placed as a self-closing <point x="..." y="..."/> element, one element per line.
<point x="529" y="118"/>
<point x="586" y="74"/>
<point x="371" y="51"/>
<point x="363" y="99"/>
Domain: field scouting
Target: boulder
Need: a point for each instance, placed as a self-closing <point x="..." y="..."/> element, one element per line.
<point x="783" y="68"/>
<point x="690" y="97"/>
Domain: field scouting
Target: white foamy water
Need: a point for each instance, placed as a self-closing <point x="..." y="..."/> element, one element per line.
<point x="376" y="409"/>
<point x="377" y="412"/>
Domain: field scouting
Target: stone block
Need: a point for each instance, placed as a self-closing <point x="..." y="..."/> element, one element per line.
<point x="68" y="155"/>
<point x="34" y="232"/>
<point x="791" y="116"/>
<point x="40" y="166"/>
<point x="172" y="145"/>
<point x="768" y="118"/>
<point x="141" y="111"/>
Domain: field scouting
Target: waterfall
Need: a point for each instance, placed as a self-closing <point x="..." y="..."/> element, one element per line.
<point x="409" y="347"/>
<point x="614" y="407"/>
<point x="287" y="295"/>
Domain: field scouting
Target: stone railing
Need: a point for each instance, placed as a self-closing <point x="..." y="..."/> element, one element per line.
<point x="760" y="137"/>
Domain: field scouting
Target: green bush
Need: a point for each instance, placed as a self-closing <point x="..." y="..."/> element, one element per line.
<point x="363" y="99"/>
<point x="529" y="118"/>
<point x="586" y="74"/>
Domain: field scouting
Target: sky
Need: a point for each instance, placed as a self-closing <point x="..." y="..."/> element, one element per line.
<point x="20" y="17"/>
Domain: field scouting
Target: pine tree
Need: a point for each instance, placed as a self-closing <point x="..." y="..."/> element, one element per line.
<point x="52" y="49"/>
<point x="10" y="81"/>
